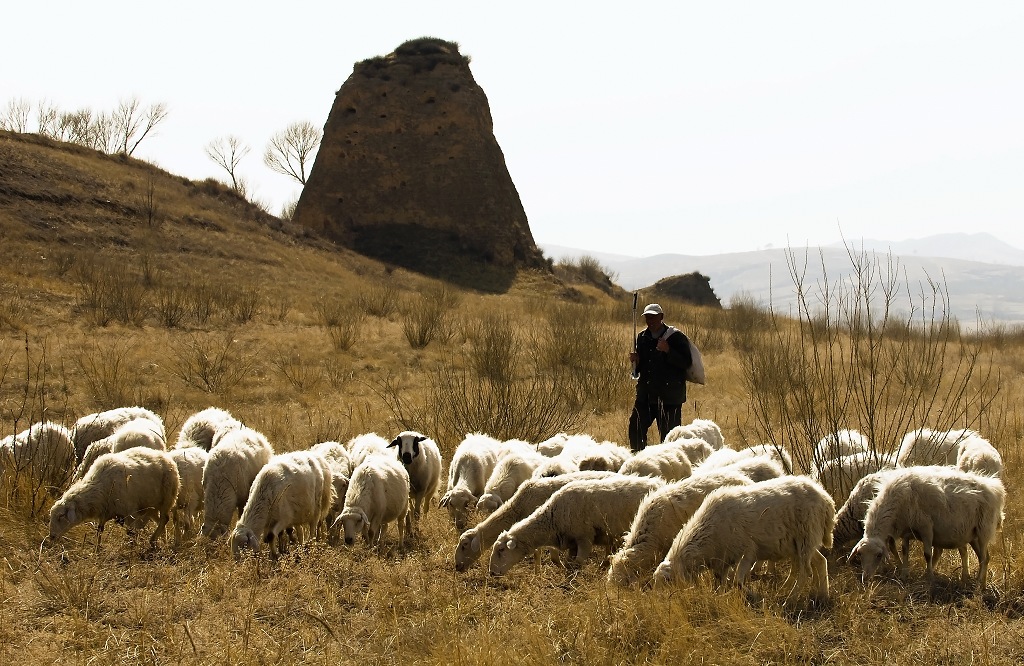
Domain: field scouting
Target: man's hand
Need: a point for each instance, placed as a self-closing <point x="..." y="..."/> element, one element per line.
<point x="662" y="346"/>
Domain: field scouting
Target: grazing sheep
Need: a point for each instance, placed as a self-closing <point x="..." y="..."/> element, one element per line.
<point x="758" y="468"/>
<point x="942" y="507"/>
<point x="190" y="461"/>
<point x="201" y="428"/>
<point x="378" y="493"/>
<point x="130" y="486"/>
<point x="140" y="432"/>
<point x="523" y="502"/>
<point x="422" y="460"/>
<point x="292" y="490"/>
<point x="838" y="444"/>
<point x="658" y="520"/>
<point x="472" y="464"/>
<point x="510" y="473"/>
<point x="363" y="446"/>
<point x="44" y="452"/>
<point x="662" y="460"/>
<point x="552" y="446"/>
<point x="720" y="458"/>
<point x="574" y="449"/>
<point x="781" y="519"/>
<point x="840" y="475"/>
<point x="697" y="450"/>
<point x="576" y="517"/>
<point x="338" y="462"/>
<point x="232" y="466"/>
<point x="96" y="426"/>
<point x="607" y="457"/>
<point x="774" y="451"/>
<point x="931" y="447"/>
<point x="704" y="429"/>
<point x="976" y="454"/>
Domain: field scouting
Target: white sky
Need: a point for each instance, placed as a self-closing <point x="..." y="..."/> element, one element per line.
<point x="639" y="128"/>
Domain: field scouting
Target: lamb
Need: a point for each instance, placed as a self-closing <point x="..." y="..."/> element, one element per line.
<point x="292" y="490"/>
<point x="839" y="476"/>
<point x="201" y="428"/>
<point x="231" y="468"/>
<point x="662" y="460"/>
<point x="422" y="460"/>
<point x="941" y="506"/>
<point x="336" y="456"/>
<point x="44" y="452"/>
<point x="190" y="462"/>
<point x="787" y="518"/>
<point x="704" y="429"/>
<point x="931" y="447"/>
<point x="577" y="516"/>
<point x="141" y="432"/>
<point x="472" y="464"/>
<point x="523" y="502"/>
<point x="976" y="454"/>
<point x="607" y="457"/>
<point x="96" y="426"/>
<point x="510" y="473"/>
<point x="659" y="519"/>
<point x="130" y="485"/>
<point x="838" y="444"/>
<point x="378" y="494"/>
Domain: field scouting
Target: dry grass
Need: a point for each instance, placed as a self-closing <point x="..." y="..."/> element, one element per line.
<point x="254" y="336"/>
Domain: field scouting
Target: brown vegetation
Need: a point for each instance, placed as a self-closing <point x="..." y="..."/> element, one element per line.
<point x="121" y="284"/>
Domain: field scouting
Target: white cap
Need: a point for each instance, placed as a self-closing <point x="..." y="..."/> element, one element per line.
<point x="653" y="308"/>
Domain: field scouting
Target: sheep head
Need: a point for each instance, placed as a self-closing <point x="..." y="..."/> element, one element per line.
<point x="459" y="502"/>
<point x="871" y="553"/>
<point x="354" y="522"/>
<point x="243" y="538"/>
<point x="489" y="503"/>
<point x="408" y="444"/>
<point x="468" y="550"/>
<point x="506" y="552"/>
<point x="64" y="515"/>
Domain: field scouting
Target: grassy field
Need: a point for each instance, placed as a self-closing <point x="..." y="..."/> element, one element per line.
<point x="121" y="284"/>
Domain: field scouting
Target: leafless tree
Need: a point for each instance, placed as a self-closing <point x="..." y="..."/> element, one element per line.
<point x="15" y="116"/>
<point x="93" y="130"/>
<point x="290" y="151"/>
<point x="46" y="118"/>
<point x="227" y="152"/>
<point x="131" y="124"/>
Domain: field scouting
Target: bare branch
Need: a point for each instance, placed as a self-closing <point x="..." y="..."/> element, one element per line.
<point x="227" y="152"/>
<point x="291" y="150"/>
<point x="15" y="117"/>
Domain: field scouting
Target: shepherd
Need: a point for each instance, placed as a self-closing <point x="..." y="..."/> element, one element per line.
<point x="661" y="359"/>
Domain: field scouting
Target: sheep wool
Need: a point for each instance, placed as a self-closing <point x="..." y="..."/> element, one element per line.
<point x="96" y="426"/>
<point x="44" y="452"/>
<point x="666" y="461"/>
<point x="976" y="454"/>
<point x="510" y="473"/>
<point x="201" y="428"/>
<point x="781" y="519"/>
<point x="190" y="462"/>
<point x="704" y="429"/>
<point x="140" y="432"/>
<point x="230" y="469"/>
<point x="131" y="485"/>
<point x="472" y="464"/>
<point x="378" y="494"/>
<point x="925" y="446"/>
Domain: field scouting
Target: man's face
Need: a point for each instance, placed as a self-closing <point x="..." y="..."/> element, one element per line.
<point x="653" y="320"/>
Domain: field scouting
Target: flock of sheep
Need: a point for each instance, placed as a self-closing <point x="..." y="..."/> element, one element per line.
<point x="663" y="514"/>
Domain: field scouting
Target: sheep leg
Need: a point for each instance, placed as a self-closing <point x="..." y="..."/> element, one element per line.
<point x="743" y="569"/>
<point x="819" y="565"/>
<point x="965" y="575"/>
<point x="161" y="527"/>
<point x="929" y="557"/>
<point x="981" y="550"/>
<point x="583" y="549"/>
<point x="99" y="533"/>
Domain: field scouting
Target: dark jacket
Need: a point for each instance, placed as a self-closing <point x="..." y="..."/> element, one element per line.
<point x="662" y="374"/>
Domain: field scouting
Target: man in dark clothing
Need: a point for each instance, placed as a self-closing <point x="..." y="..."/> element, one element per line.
<point x="661" y="360"/>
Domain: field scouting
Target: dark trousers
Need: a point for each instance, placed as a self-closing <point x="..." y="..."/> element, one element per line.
<point x="644" y="414"/>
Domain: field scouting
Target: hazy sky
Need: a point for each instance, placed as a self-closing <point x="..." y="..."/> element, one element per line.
<point x="634" y="128"/>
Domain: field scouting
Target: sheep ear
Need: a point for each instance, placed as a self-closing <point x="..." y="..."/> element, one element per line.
<point x="445" y="500"/>
<point x="419" y="439"/>
<point x="69" y="513"/>
<point x="474" y="544"/>
<point x="396" y="442"/>
<point x="511" y="544"/>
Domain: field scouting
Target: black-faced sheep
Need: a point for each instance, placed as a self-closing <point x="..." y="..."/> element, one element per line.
<point x="781" y="519"/>
<point x="130" y="486"/>
<point x="941" y="506"/>
<point x="576" y="517"/>
<point x="231" y="468"/>
<point x="422" y="460"/>
<point x="658" y="520"/>
<point x="293" y="490"/>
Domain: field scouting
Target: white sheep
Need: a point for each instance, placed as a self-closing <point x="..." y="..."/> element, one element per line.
<point x="190" y="461"/>
<point x="378" y="493"/>
<point x="775" y="451"/>
<point x="422" y="460"/>
<point x="925" y="446"/>
<point x="606" y="457"/>
<point x="365" y="445"/>
<point x="140" y="432"/>
<point x="471" y="465"/>
<point x="293" y="490"/>
<point x="44" y="452"/>
<point x="704" y="429"/>
<point x="574" y="449"/>
<point x="666" y="461"/>
<point x="553" y="445"/>
<point x="131" y="486"/>
<point x="231" y="468"/>
<point x="92" y="427"/>
<point x="510" y="473"/>
<point x="697" y="450"/>
<point x="781" y="519"/>
<point x="976" y="454"/>
<point x="338" y="462"/>
<point x="838" y="444"/>
<point x="658" y="520"/>
<point x="523" y="502"/>
<point x="758" y="468"/>
<point x="840" y="475"/>
<point x="720" y="458"/>
<point x="850" y="518"/>
<point x="941" y="506"/>
<point x="200" y="428"/>
<point x="576" y="517"/>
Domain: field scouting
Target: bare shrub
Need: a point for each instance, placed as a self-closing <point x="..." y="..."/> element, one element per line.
<point x="201" y="301"/>
<point x="299" y="373"/>
<point x="12" y="311"/>
<point x="108" y="292"/>
<point x="110" y="373"/>
<point x="214" y="363"/>
<point x="496" y="347"/>
<point x="380" y="300"/>
<point x="242" y="303"/>
<point x="342" y="320"/>
<point x="425" y="316"/>
<point x="170" y="303"/>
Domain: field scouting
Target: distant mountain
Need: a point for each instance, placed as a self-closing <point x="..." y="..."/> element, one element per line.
<point x="980" y="247"/>
<point x="993" y="291"/>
